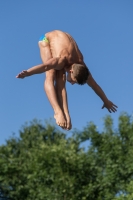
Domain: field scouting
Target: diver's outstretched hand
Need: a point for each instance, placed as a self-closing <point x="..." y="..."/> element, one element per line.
<point x="23" y="74"/>
<point x="110" y="106"/>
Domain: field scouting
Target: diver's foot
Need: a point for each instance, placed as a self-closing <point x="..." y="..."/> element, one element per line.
<point x="69" y="124"/>
<point x="60" y="120"/>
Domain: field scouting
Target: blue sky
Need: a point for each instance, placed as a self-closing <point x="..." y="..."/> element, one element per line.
<point x="103" y="31"/>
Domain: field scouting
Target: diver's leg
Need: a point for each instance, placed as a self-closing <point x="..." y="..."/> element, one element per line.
<point x="49" y="87"/>
<point x="62" y="95"/>
<point x="52" y="97"/>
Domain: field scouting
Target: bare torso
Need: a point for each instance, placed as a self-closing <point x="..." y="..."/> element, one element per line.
<point x="63" y="45"/>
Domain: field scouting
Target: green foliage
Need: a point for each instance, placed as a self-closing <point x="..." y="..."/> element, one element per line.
<point x="128" y="195"/>
<point x="44" y="164"/>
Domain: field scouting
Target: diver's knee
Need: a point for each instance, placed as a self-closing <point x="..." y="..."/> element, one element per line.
<point x="50" y="79"/>
<point x="50" y="74"/>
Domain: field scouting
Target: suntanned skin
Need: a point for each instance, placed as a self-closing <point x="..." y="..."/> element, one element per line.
<point x="64" y="54"/>
<point x="56" y="93"/>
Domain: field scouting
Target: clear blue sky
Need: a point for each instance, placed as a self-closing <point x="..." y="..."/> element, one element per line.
<point x="104" y="32"/>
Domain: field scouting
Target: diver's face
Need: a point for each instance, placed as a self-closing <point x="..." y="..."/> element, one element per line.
<point x="70" y="78"/>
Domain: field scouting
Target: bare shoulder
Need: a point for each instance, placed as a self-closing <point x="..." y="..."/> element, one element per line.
<point x="61" y="62"/>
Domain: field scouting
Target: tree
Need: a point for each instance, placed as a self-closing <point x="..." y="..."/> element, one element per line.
<point x="44" y="164"/>
<point x="128" y="194"/>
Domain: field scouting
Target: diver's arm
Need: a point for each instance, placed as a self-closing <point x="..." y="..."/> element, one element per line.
<point x="53" y="63"/>
<point x="98" y="90"/>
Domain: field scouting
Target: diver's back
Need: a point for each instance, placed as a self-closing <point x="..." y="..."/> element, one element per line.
<point x="62" y="44"/>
